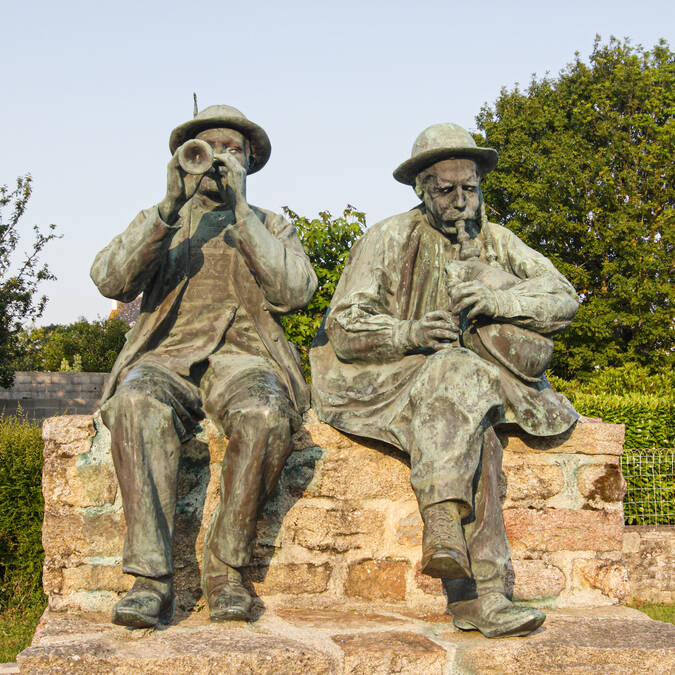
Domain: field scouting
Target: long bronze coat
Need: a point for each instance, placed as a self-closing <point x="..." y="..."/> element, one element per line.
<point x="362" y="368"/>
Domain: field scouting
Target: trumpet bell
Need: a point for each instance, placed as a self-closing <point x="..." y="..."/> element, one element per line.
<point x="195" y="156"/>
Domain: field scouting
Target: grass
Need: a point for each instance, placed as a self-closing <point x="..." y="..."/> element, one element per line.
<point x="17" y="626"/>
<point x="659" y="612"/>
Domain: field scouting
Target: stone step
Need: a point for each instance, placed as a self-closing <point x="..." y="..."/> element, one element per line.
<point x="375" y="640"/>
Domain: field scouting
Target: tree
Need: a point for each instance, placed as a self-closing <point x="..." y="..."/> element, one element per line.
<point x="18" y="282"/>
<point x="586" y="176"/>
<point x="327" y="241"/>
<point x="90" y="347"/>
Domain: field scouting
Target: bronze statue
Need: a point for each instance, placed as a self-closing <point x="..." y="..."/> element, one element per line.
<point x="215" y="274"/>
<point x="438" y="331"/>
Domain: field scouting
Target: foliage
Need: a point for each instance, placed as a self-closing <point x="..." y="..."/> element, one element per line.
<point x="627" y="395"/>
<point x="586" y="176"/>
<point x="86" y="346"/>
<point x="21" y="507"/>
<point x="18" y="281"/>
<point x="630" y="378"/>
<point x="327" y="241"/>
<point x="648" y="418"/>
<point x="17" y="626"/>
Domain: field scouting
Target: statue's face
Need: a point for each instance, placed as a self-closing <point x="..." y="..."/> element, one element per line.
<point x="223" y="141"/>
<point x="450" y="191"/>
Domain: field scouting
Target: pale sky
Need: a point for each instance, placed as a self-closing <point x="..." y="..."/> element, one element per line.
<point x="91" y="92"/>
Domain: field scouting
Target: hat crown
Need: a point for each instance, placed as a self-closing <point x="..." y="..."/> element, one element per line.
<point x="445" y="135"/>
<point x="219" y="111"/>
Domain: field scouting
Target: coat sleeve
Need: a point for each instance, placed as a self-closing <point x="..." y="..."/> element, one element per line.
<point x="276" y="259"/>
<point x="125" y="266"/>
<point x="544" y="301"/>
<point x="361" y="323"/>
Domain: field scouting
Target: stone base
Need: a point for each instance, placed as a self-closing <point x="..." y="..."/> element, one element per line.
<point x="375" y="641"/>
<point x="343" y="526"/>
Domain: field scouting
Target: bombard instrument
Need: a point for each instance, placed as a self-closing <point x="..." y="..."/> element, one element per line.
<point x="196" y="156"/>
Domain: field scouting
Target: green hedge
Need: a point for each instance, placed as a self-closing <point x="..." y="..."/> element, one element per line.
<point x="648" y="417"/>
<point x="21" y="509"/>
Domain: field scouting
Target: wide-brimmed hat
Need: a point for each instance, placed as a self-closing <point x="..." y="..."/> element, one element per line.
<point x="229" y="118"/>
<point x="443" y="141"/>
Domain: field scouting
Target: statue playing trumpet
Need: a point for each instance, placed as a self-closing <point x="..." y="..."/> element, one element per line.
<point x="215" y="272"/>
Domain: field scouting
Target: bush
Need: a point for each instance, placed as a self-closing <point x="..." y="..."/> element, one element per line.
<point x="80" y="346"/>
<point x="21" y="509"/>
<point x="327" y="242"/>
<point x="629" y="378"/>
<point x="630" y="395"/>
<point x="648" y="418"/>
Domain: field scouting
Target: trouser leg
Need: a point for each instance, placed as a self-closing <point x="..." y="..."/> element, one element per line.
<point x="256" y="414"/>
<point x="456" y="456"/>
<point x="455" y="398"/>
<point x="147" y="418"/>
<point x="486" y="540"/>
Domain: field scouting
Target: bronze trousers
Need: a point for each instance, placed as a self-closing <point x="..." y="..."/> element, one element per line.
<point x="154" y="411"/>
<point x="448" y="430"/>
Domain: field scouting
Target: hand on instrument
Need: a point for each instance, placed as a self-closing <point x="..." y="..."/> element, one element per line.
<point x="180" y="186"/>
<point x="234" y="173"/>
<point x="476" y="295"/>
<point x="435" y="330"/>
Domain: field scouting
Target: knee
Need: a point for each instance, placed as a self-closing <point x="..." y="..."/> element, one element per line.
<point x="455" y="372"/>
<point x="263" y="417"/>
<point x="135" y="402"/>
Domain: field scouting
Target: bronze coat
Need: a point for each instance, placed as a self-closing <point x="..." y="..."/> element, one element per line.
<point x="363" y="367"/>
<point x="271" y="276"/>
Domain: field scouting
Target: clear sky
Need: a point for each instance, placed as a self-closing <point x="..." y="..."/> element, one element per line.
<point x="91" y="91"/>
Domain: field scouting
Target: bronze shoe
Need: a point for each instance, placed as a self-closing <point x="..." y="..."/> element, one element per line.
<point x="149" y="602"/>
<point x="443" y="545"/>
<point x="227" y="597"/>
<point x="494" y="615"/>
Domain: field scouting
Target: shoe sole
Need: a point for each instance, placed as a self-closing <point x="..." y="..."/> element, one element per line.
<point x="229" y="615"/>
<point x="520" y="630"/>
<point x="444" y="566"/>
<point x="133" y="619"/>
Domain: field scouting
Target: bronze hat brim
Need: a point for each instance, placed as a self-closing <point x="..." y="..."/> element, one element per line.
<point x="406" y="172"/>
<point x="261" y="147"/>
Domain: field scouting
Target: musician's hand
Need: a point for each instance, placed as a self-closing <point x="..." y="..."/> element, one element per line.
<point x="435" y="330"/>
<point x="477" y="294"/>
<point x="180" y="186"/>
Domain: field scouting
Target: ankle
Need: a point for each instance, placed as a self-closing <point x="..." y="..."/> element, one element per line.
<point x="163" y="585"/>
<point x="447" y="509"/>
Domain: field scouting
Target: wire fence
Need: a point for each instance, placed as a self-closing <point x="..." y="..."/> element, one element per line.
<point x="650" y="479"/>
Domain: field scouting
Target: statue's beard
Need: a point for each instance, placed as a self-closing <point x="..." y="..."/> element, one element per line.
<point x="449" y="227"/>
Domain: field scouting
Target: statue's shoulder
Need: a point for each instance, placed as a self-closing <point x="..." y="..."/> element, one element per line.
<point x="395" y="228"/>
<point x="503" y="237"/>
<point x="264" y="214"/>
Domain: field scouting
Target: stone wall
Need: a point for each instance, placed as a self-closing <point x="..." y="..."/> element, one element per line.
<point x="343" y="527"/>
<point x="649" y="558"/>
<point x="44" y="394"/>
